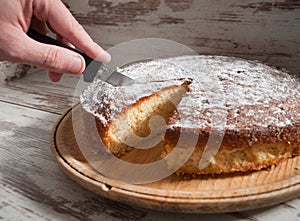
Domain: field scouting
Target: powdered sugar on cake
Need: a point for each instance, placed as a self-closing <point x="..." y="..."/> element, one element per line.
<point x="252" y="94"/>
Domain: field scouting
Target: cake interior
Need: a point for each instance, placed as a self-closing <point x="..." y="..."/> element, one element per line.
<point x="143" y="124"/>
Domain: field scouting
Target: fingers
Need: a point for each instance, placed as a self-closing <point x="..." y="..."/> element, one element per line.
<point x="65" y="41"/>
<point x="54" y="76"/>
<point x="55" y="59"/>
<point x="41" y="27"/>
<point x="61" y="20"/>
<point x="17" y="47"/>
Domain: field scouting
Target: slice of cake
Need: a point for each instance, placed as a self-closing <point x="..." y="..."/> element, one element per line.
<point x="142" y="125"/>
<point x="237" y="115"/>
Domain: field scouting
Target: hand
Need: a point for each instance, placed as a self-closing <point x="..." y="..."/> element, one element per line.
<point x="16" y="16"/>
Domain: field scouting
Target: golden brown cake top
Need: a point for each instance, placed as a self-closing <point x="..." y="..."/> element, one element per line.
<point x="251" y="94"/>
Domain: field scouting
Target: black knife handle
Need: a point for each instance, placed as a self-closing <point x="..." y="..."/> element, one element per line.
<point x="48" y="40"/>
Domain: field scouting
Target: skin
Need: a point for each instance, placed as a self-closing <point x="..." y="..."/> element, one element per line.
<point x="16" y="16"/>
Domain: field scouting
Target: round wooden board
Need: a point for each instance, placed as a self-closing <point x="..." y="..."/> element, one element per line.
<point x="202" y="195"/>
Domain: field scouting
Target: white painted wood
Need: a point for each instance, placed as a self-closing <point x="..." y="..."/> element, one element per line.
<point x="10" y="70"/>
<point x="266" y="30"/>
<point x="35" y="90"/>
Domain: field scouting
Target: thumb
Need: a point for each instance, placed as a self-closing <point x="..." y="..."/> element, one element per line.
<point x="50" y="57"/>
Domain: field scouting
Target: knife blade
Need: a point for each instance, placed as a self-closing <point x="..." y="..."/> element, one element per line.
<point x="93" y="70"/>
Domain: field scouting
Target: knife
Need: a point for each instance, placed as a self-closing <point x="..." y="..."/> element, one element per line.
<point x="93" y="69"/>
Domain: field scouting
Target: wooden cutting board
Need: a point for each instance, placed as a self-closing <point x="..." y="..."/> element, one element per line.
<point x="203" y="195"/>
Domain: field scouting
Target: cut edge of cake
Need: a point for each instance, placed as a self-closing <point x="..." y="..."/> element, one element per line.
<point x="142" y="125"/>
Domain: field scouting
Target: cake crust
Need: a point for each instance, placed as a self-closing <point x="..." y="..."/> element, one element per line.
<point x="262" y="117"/>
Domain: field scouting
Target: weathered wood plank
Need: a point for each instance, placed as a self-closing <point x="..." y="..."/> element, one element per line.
<point x="265" y="30"/>
<point x="35" y="90"/>
<point x="11" y="71"/>
<point x="33" y="186"/>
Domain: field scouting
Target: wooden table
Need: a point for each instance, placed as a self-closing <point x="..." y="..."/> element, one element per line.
<point x="33" y="187"/>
